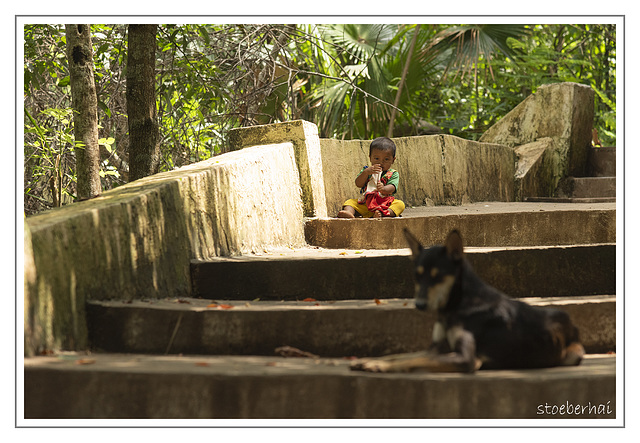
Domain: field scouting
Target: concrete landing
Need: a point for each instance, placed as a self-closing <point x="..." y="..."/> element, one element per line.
<point x="340" y="328"/>
<point x="481" y="224"/>
<point x="139" y="386"/>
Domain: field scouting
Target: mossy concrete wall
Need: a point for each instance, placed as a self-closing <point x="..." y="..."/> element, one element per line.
<point x="434" y="170"/>
<point x="562" y="112"/>
<point x="137" y="241"/>
<point x="304" y="137"/>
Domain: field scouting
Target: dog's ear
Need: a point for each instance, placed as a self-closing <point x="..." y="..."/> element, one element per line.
<point x="414" y="244"/>
<point x="454" y="245"/>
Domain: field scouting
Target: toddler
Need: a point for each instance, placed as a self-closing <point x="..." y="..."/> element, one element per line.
<point x="378" y="184"/>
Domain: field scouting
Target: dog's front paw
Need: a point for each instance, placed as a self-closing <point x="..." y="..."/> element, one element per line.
<point x="370" y="365"/>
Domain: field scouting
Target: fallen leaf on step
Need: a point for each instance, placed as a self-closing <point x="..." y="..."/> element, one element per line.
<point x="85" y="361"/>
<point x="290" y="351"/>
<point x="202" y="363"/>
<point x="343" y="253"/>
<point x="220" y="306"/>
<point x="309" y="299"/>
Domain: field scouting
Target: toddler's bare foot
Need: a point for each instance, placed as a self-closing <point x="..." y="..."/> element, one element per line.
<point x="345" y="214"/>
<point x="377" y="214"/>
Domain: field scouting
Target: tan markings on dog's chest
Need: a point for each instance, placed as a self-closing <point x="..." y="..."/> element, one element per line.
<point x="438" y="294"/>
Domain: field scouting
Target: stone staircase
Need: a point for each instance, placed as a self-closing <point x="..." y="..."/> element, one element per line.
<point x="219" y="352"/>
<point x="598" y="186"/>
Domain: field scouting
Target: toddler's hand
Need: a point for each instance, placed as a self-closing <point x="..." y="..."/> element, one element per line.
<point x="375" y="169"/>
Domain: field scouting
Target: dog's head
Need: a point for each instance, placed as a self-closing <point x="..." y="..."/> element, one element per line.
<point x="435" y="270"/>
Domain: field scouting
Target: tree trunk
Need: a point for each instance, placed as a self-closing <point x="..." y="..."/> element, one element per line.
<point x="85" y="106"/>
<point x="144" y="149"/>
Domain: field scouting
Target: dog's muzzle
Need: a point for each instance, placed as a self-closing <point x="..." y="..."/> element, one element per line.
<point x="421" y="297"/>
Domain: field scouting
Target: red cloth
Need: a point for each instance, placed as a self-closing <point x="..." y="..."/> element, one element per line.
<point x="376" y="202"/>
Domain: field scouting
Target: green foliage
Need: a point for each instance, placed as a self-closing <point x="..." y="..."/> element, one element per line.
<point x="50" y="144"/>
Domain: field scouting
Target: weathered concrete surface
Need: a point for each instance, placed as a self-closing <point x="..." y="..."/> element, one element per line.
<point x="562" y="111"/>
<point x="138" y="386"/>
<point x="244" y="202"/>
<point x="474" y="172"/>
<point x="138" y="240"/>
<point x="535" y="173"/>
<point x="329" y="274"/>
<point x="304" y="137"/>
<point x="434" y="169"/>
<point x="481" y="224"/>
<point x="334" y="328"/>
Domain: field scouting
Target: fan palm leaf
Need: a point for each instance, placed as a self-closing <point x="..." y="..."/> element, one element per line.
<point x="464" y="46"/>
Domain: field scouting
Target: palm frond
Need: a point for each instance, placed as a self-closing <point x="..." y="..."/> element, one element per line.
<point x="463" y="46"/>
<point x="360" y="41"/>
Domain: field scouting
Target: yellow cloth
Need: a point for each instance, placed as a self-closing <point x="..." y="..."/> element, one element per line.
<point x="397" y="206"/>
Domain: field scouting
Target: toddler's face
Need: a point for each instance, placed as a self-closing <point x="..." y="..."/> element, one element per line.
<point x="383" y="158"/>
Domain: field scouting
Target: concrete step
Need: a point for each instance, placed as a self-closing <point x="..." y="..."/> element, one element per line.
<point x="340" y="328"/>
<point x="223" y="387"/>
<point x="587" y="187"/>
<point x="335" y="274"/>
<point x="602" y="162"/>
<point x="481" y="224"/>
<point x="570" y="200"/>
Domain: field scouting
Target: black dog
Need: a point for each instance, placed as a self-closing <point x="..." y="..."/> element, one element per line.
<point x="477" y="325"/>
